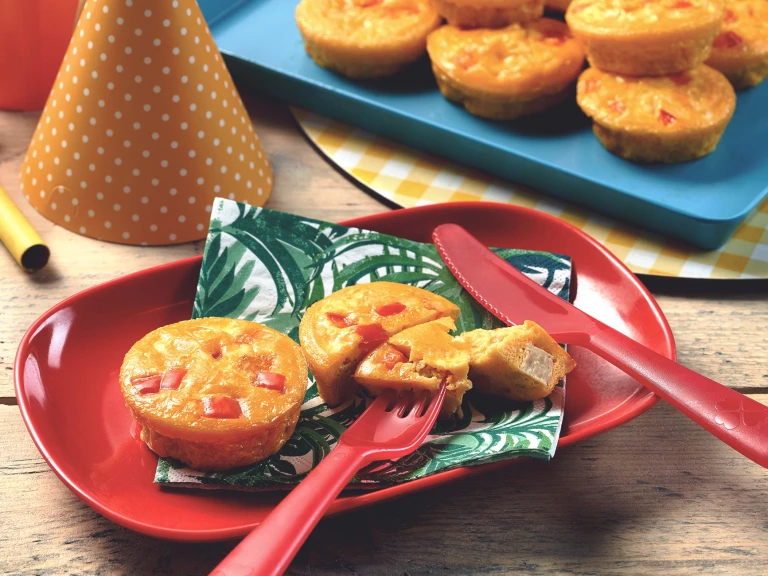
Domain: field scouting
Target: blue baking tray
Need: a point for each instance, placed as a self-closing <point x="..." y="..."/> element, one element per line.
<point x="701" y="202"/>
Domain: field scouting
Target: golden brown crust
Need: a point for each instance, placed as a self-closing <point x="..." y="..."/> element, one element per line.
<point x="645" y="37"/>
<point x="220" y="364"/>
<point x="496" y="357"/>
<point x="329" y="330"/>
<point x="740" y="51"/>
<point x="658" y="119"/>
<point x="509" y="72"/>
<point x="488" y="13"/>
<point x="365" y="38"/>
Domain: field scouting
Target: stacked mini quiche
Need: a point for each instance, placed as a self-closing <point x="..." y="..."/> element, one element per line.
<point x="649" y="94"/>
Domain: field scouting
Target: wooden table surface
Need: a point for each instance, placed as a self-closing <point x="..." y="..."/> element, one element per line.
<point x="657" y="495"/>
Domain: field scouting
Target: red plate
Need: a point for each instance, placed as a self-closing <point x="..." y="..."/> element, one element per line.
<point x="68" y="361"/>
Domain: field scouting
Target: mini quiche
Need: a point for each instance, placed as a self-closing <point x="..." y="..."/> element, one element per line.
<point x="419" y="358"/>
<point x="645" y="37"/>
<point x="339" y="330"/>
<point x="658" y="119"/>
<point x="520" y="363"/>
<point x="365" y="38"/>
<point x="488" y="13"/>
<point x="740" y="51"/>
<point x="509" y="72"/>
<point x="215" y="393"/>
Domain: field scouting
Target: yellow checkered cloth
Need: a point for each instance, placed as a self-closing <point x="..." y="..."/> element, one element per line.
<point x="409" y="177"/>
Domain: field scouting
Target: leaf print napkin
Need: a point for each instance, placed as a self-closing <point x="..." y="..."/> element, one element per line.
<point x="269" y="267"/>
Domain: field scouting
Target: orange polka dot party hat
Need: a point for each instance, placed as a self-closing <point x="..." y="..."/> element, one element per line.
<point x="143" y="128"/>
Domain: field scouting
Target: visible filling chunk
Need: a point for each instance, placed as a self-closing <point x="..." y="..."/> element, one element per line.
<point x="537" y="364"/>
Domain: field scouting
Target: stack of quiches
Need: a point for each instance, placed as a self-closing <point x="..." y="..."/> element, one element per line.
<point x="649" y="93"/>
<point x="658" y="88"/>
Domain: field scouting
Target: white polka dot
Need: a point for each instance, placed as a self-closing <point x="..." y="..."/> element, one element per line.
<point x="156" y="89"/>
<point x="83" y="184"/>
<point x="137" y="32"/>
<point x="166" y="23"/>
<point x="175" y="51"/>
<point x="166" y="70"/>
<point x="200" y="181"/>
<point x="118" y="114"/>
<point x="248" y="184"/>
<point x="182" y="218"/>
<point x="155" y="135"/>
<point x="107" y="224"/>
<point x="237" y="176"/>
<point x="66" y="218"/>
<point x="200" y="227"/>
<point x="100" y="150"/>
<point x="153" y="227"/>
<point x="216" y="141"/>
<point x="92" y="121"/>
<point x="116" y="207"/>
<point x="126" y="235"/>
<point x="191" y="199"/>
<point x="135" y="217"/>
<point x="164" y="163"/>
<point x="192" y="153"/>
<point x="208" y="208"/>
<point x="95" y="74"/>
<point x="229" y="149"/>
<point x="92" y="167"/>
<point x="209" y="161"/>
<point x="128" y="97"/>
<point x="103" y="56"/>
<point x="63" y="143"/>
<point x="120" y="21"/>
<point x="128" y="50"/>
<point x="213" y="95"/>
<point x="127" y="143"/>
<point x="105" y="9"/>
<point x="155" y="181"/>
<point x="145" y="153"/>
<point x="118" y="161"/>
<point x="191" y="59"/>
<point x="156" y="42"/>
<point x="110" y="86"/>
<point x="147" y="13"/>
<point x="91" y="213"/>
<point x="183" y="171"/>
<point x="199" y="87"/>
<point x="53" y="205"/>
<point x="137" y="79"/>
<point x="136" y="126"/>
<point x="99" y="195"/>
<point x="223" y="169"/>
<point x="184" y="79"/>
<point x="119" y="68"/>
<point x="217" y="188"/>
<point x="172" y="237"/>
<point x="126" y="189"/>
<point x="166" y="117"/>
<point x="221" y="123"/>
<point x="144" y="200"/>
<point x="224" y="103"/>
<point x="176" y="98"/>
<point x="173" y="191"/>
<point x="183" y="31"/>
<point x="82" y="229"/>
<point x="193" y="107"/>
<point x="163" y="209"/>
<point x="208" y="115"/>
<point x="174" y="144"/>
<point x="136" y="172"/>
<point x="147" y="107"/>
<point x="184" y="125"/>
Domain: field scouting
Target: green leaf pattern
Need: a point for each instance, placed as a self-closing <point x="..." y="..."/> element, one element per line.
<point x="269" y="267"/>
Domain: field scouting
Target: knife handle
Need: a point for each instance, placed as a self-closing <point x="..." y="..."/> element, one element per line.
<point x="737" y="420"/>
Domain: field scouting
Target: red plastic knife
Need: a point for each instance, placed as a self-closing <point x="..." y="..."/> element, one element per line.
<point x="740" y="422"/>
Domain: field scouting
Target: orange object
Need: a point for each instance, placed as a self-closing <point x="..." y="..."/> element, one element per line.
<point x="143" y="128"/>
<point x="33" y="39"/>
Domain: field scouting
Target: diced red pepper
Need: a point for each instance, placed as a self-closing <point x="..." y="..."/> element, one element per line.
<point x="666" y="118"/>
<point x="680" y="79"/>
<point x="339" y="320"/>
<point x="730" y="17"/>
<point x="367" y="3"/>
<point x="221" y="407"/>
<point x="682" y="4"/>
<point x="390" y="309"/>
<point x="617" y="106"/>
<point x="216" y="355"/>
<point x="727" y="39"/>
<point x="372" y="335"/>
<point x="147" y="384"/>
<point x="393" y="357"/>
<point x="271" y="381"/>
<point x="172" y="379"/>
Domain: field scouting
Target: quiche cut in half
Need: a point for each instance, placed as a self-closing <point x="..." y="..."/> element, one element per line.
<point x="520" y="363"/>
<point x="419" y="359"/>
<point x="339" y="330"/>
<point x="215" y="393"/>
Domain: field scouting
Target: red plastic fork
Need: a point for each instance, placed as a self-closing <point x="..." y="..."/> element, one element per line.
<point x="389" y="428"/>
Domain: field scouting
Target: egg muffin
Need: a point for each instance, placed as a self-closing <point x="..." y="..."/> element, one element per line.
<point x="215" y="393"/>
<point x="419" y="358"/>
<point x="740" y="51"/>
<point x="365" y="38"/>
<point x="508" y="72"/>
<point x="645" y="37"/>
<point x="488" y="13"/>
<point x="658" y="119"/>
<point x="520" y="363"/>
<point x="558" y="5"/>
<point x="339" y="330"/>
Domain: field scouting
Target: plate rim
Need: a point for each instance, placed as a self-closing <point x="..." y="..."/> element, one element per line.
<point x="640" y="406"/>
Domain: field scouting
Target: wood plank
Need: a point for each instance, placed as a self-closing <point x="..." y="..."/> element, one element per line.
<point x="658" y="495"/>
